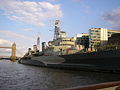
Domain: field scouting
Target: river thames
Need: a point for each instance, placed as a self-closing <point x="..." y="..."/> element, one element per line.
<point x="14" y="76"/>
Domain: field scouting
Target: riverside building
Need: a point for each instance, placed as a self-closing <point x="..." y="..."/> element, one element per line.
<point x="114" y="39"/>
<point x="99" y="36"/>
<point x="82" y="41"/>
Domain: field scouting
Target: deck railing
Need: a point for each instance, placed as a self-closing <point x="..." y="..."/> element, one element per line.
<point x="102" y="86"/>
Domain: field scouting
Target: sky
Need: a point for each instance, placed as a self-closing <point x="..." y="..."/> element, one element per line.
<point x="22" y="21"/>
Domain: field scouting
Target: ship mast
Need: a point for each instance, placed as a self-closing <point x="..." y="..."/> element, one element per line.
<point x="57" y="30"/>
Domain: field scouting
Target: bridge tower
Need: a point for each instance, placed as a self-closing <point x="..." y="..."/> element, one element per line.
<point x="13" y="56"/>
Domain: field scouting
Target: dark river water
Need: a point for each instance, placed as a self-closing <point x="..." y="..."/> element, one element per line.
<point x="14" y="76"/>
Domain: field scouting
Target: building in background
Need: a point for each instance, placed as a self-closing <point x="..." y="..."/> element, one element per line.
<point x="44" y="46"/>
<point x="82" y="41"/>
<point x="99" y="36"/>
<point x="35" y="48"/>
<point x="38" y="43"/>
<point x="111" y="32"/>
<point x="114" y="39"/>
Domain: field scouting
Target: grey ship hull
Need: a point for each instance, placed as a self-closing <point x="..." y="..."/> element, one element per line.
<point x="105" y="61"/>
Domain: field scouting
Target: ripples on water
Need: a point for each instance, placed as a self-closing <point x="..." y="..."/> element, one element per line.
<point x="14" y="76"/>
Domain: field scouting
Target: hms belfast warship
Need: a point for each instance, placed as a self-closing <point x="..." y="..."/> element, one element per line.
<point x="63" y="54"/>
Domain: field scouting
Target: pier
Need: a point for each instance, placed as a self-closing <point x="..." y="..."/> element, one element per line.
<point x="13" y="52"/>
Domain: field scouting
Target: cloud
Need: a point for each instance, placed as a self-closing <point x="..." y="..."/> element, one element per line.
<point x="53" y="0"/>
<point x="113" y="17"/>
<point x="30" y="12"/>
<point x="27" y="29"/>
<point x="5" y="42"/>
<point x="77" y="0"/>
<point x="10" y="34"/>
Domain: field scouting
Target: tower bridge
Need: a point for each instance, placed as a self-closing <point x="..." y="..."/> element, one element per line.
<point x="13" y="53"/>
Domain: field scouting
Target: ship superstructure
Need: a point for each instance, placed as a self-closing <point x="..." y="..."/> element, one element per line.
<point x="61" y="44"/>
